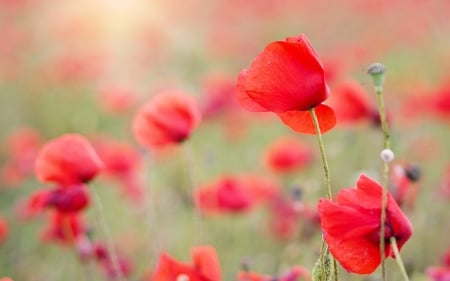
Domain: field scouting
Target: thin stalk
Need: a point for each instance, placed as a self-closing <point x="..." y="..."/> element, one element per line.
<point x="384" y="179"/>
<point x="398" y="258"/>
<point x="326" y="172"/>
<point x="323" y="156"/>
<point x="107" y="232"/>
<point x="192" y="173"/>
<point x="150" y="206"/>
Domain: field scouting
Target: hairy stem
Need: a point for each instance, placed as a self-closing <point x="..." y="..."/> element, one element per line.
<point x="398" y="258"/>
<point x="326" y="172"/>
<point x="384" y="179"/>
<point x="107" y="232"/>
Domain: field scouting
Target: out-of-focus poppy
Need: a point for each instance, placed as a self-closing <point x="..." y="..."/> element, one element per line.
<point x="121" y="163"/>
<point x="67" y="199"/>
<point x="288" y="79"/>
<point x="294" y="274"/>
<point x="63" y="228"/>
<point x="287" y="154"/>
<point x="205" y="266"/>
<point x="117" y="98"/>
<point x="3" y="230"/>
<point x="234" y="194"/>
<point x="441" y="272"/>
<point x="351" y="226"/>
<point x="402" y="184"/>
<point x="70" y="199"/>
<point x="67" y="160"/>
<point x="112" y="268"/>
<point x="351" y="103"/>
<point x="21" y="148"/>
<point x="167" y="119"/>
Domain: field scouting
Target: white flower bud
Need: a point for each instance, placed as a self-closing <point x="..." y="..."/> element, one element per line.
<point x="387" y="155"/>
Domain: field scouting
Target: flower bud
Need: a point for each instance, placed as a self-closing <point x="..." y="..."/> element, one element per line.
<point x="387" y="155"/>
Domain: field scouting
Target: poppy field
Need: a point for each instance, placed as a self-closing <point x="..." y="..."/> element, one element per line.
<point x="224" y="140"/>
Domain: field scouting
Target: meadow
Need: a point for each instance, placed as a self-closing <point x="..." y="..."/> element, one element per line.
<point x="242" y="183"/>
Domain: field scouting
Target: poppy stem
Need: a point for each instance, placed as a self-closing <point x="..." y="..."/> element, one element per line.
<point x="107" y="232"/>
<point x="398" y="258"/>
<point x="190" y="163"/>
<point x="150" y="205"/>
<point x="326" y="171"/>
<point x="385" y="177"/>
<point x="323" y="156"/>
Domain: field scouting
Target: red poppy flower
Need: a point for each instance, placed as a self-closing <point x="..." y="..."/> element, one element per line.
<point x="288" y="79"/>
<point x="110" y="267"/>
<point x="21" y="148"/>
<point x="3" y="230"/>
<point x="121" y="163"/>
<point x="117" y="98"/>
<point x="351" y="226"/>
<point x="441" y="272"/>
<point x="205" y="266"/>
<point x="69" y="159"/>
<point x="402" y="184"/>
<point x="219" y="96"/>
<point x="169" y="118"/>
<point x="234" y="194"/>
<point x="63" y="228"/>
<point x="351" y="103"/>
<point x="287" y="155"/>
<point x="68" y="199"/>
<point x="294" y="274"/>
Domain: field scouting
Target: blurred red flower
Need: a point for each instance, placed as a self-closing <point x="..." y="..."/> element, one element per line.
<point x="441" y="272"/>
<point x="70" y="199"/>
<point x="67" y="160"/>
<point x="294" y="274"/>
<point x="67" y="199"/>
<point x="291" y="217"/>
<point x="287" y="154"/>
<point x="205" y="266"/>
<point x="351" y="103"/>
<point x="402" y="184"/>
<point x="351" y="226"/>
<point x="121" y="163"/>
<point x="63" y="228"/>
<point x="234" y="194"/>
<point x="3" y="230"/>
<point x="21" y="148"/>
<point x="288" y="79"/>
<point x="111" y="267"/>
<point x="117" y="98"/>
<point x="169" y="118"/>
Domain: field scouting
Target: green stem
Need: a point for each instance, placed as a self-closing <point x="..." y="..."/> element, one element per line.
<point x="326" y="171"/>
<point x="189" y="155"/>
<point x="398" y="258"/>
<point x="110" y="244"/>
<point x="323" y="156"/>
<point x="150" y="208"/>
<point x="385" y="178"/>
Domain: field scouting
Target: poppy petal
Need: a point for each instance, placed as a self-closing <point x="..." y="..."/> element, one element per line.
<point x="206" y="262"/>
<point x="348" y="235"/>
<point x="287" y="75"/>
<point x="302" y="122"/>
<point x="244" y="100"/>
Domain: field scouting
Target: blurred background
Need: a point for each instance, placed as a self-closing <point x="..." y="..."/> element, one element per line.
<point x="87" y="66"/>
